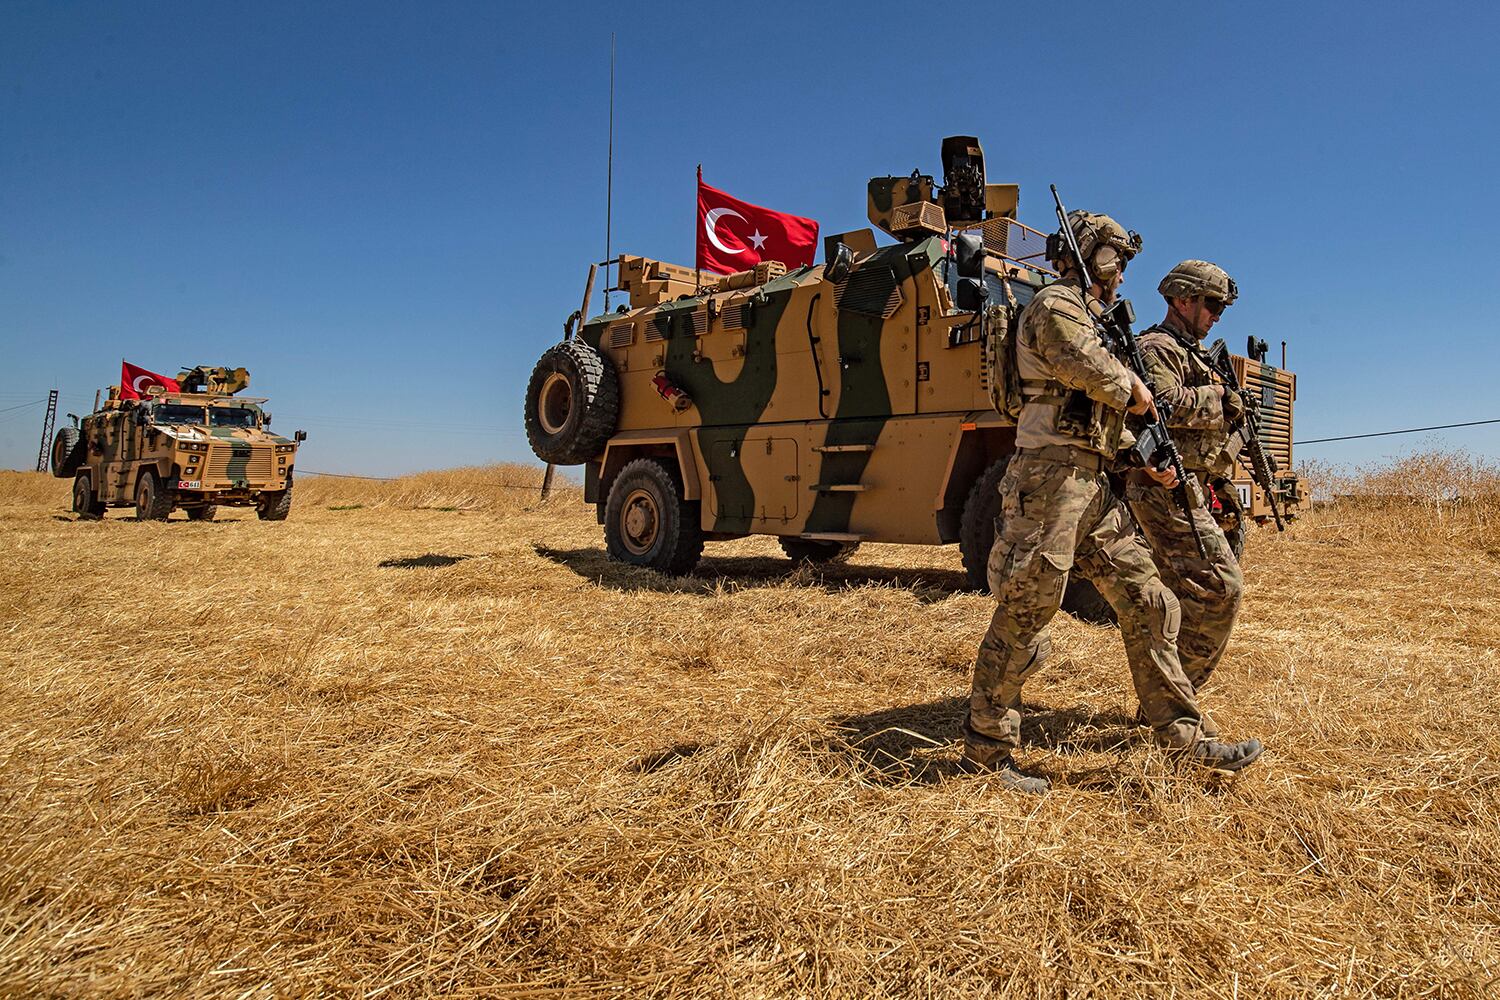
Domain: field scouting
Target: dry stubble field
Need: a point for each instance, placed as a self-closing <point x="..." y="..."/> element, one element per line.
<point x="423" y="739"/>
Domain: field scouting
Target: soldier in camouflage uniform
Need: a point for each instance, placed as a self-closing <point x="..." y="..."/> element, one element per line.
<point x="1204" y="420"/>
<point x="1058" y="513"/>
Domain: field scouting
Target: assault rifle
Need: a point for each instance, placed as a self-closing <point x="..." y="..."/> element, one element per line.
<point x="1154" y="446"/>
<point x="1261" y="467"/>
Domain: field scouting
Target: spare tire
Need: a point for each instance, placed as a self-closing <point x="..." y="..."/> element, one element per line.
<point x="572" y="404"/>
<point x="68" y="451"/>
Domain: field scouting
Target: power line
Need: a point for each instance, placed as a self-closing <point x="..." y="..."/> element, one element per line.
<point x="391" y="479"/>
<point x="1408" y="430"/>
<point x="22" y="406"/>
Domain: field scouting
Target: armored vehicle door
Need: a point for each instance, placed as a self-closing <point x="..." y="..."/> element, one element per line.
<point x="118" y="438"/>
<point x="753" y="478"/>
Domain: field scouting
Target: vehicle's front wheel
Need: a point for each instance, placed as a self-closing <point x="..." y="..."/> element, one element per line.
<point x="152" y="501"/>
<point x="648" y="523"/>
<point x="276" y="504"/>
<point x="84" y="504"/>
<point x="813" y="550"/>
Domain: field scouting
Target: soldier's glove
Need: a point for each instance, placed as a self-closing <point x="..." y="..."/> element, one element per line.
<point x="1234" y="408"/>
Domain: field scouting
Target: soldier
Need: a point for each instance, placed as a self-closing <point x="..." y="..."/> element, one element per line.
<point x="1058" y="513"/>
<point x="1204" y="417"/>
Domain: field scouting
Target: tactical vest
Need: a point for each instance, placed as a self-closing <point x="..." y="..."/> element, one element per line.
<point x="1001" y="321"/>
<point x="1202" y="450"/>
<point x="1073" y="413"/>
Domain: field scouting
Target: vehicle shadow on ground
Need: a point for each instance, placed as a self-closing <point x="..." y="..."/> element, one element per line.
<point x="431" y="560"/>
<point x="920" y="744"/>
<point x="929" y="586"/>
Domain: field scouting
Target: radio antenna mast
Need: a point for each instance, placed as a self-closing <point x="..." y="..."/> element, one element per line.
<point x="609" y="174"/>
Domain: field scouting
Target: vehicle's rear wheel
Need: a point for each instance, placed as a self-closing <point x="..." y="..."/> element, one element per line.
<point x="572" y="403"/>
<point x="1235" y="532"/>
<point x="976" y="528"/>
<point x="68" y="451"/>
<point x="152" y="502"/>
<point x="813" y="550"/>
<point x="276" y="504"/>
<point x="84" y="504"/>
<point x="203" y="513"/>
<point x="648" y="523"/>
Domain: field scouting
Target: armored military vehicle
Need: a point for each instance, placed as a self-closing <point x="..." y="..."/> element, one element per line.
<point x="198" y="449"/>
<point x="856" y="401"/>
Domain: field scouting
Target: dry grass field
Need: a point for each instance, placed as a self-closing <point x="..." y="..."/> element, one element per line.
<point x="424" y="739"/>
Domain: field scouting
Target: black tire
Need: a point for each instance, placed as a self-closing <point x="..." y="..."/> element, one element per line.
<point x="976" y="528"/>
<point x="275" y="505"/>
<point x="1235" y="533"/>
<point x="204" y="513"/>
<point x="152" y="501"/>
<point x="68" y="451"/>
<point x="572" y="403"/>
<point x="977" y="536"/>
<point x="85" y="504"/>
<point x="812" y="550"/>
<point x="648" y="523"/>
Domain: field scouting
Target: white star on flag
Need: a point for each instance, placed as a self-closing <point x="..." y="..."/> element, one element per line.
<point x="758" y="239"/>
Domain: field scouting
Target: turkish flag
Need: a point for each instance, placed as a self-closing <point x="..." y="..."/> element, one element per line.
<point x="735" y="235"/>
<point x="135" y="381"/>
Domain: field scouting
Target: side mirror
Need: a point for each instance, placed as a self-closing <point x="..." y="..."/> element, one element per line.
<point x="265" y="420"/>
<point x="140" y="416"/>
<point x="971" y="294"/>
<point x="300" y="436"/>
<point x="968" y="248"/>
<point x="837" y="268"/>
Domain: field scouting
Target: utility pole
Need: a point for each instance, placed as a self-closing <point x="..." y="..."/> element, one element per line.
<point x="47" y="422"/>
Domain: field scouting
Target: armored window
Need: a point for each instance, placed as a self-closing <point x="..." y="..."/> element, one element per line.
<point x="176" y="413"/>
<point x="231" y="416"/>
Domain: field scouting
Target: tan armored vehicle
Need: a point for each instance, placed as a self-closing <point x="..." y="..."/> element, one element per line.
<point x="827" y="406"/>
<point x="197" y="449"/>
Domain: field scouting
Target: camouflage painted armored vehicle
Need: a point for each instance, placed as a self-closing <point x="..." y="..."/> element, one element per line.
<point x="827" y="406"/>
<point x="197" y="449"/>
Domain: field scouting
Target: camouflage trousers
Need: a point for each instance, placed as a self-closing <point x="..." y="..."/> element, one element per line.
<point x="1208" y="589"/>
<point x="1055" y="517"/>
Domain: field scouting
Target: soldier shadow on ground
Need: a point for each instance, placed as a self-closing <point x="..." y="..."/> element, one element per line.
<point x="929" y="586"/>
<point x="919" y="744"/>
<point x="431" y="560"/>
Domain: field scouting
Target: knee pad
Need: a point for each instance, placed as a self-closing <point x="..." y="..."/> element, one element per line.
<point x="1163" y="612"/>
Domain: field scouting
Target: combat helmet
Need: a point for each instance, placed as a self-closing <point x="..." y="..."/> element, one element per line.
<point x="1093" y="231"/>
<point x="1198" y="279"/>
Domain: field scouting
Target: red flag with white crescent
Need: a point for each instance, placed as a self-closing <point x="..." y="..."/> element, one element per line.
<point x="136" y="382"/>
<point x="735" y="235"/>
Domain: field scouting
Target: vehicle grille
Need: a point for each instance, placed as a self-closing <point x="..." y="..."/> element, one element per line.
<point x="1277" y="390"/>
<point x="227" y="463"/>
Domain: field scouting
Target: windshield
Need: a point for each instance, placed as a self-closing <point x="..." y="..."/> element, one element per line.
<point x="235" y="416"/>
<point x="176" y="413"/>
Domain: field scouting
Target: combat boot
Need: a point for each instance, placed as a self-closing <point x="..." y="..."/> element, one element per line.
<point x="1225" y="758"/>
<point x="1003" y="770"/>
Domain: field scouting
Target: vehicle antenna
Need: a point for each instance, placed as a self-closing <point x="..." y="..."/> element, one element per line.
<point x="609" y="173"/>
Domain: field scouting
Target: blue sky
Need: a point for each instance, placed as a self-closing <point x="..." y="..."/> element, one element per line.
<point x="385" y="211"/>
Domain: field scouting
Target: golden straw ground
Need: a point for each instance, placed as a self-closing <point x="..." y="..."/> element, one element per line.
<point x="423" y="738"/>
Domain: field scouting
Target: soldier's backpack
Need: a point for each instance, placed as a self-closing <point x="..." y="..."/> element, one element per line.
<point x="1003" y="379"/>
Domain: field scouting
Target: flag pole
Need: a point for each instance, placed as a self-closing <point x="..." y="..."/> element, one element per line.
<point x="609" y="174"/>
<point x="697" y="263"/>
